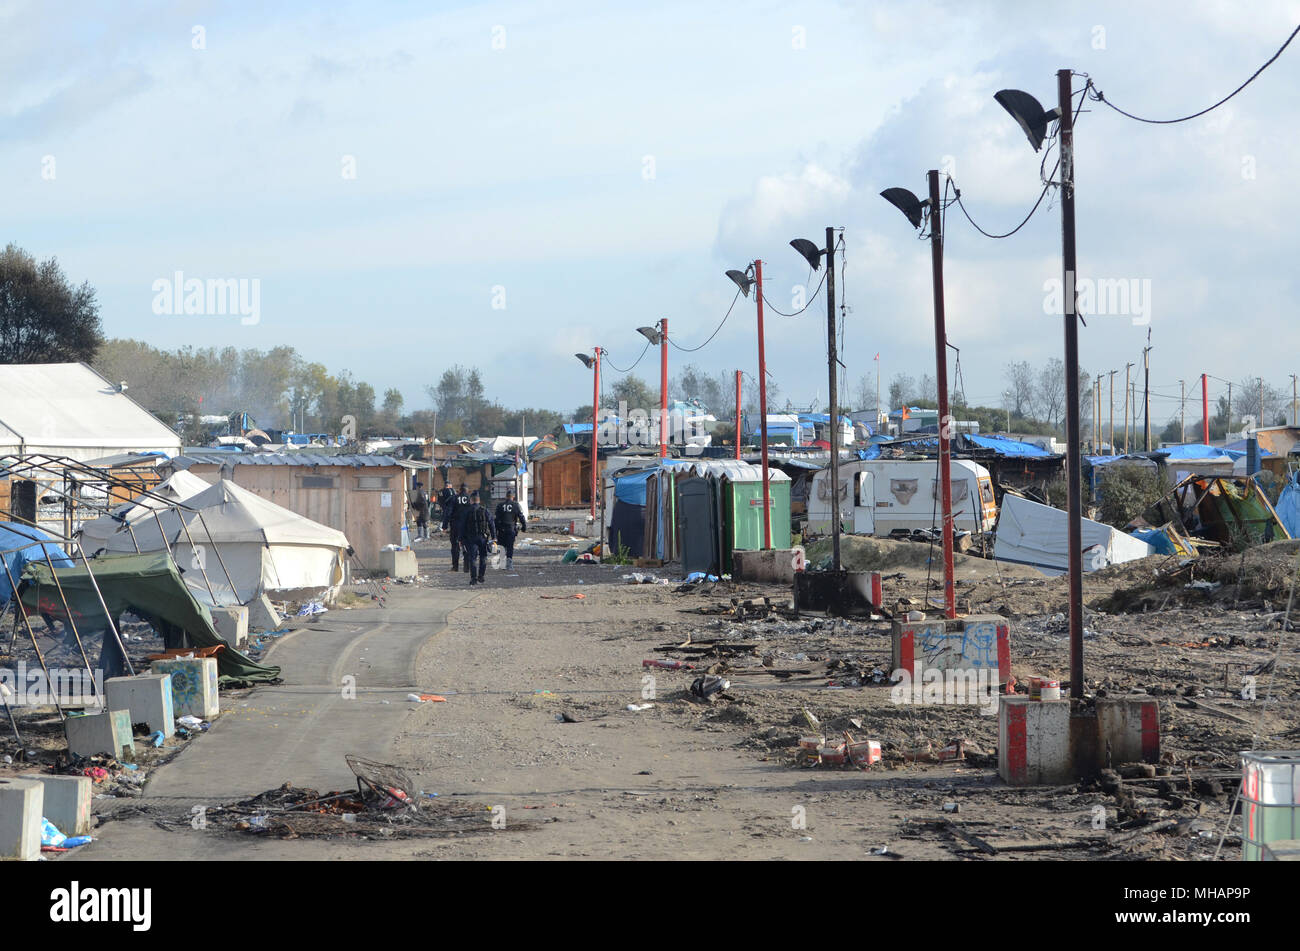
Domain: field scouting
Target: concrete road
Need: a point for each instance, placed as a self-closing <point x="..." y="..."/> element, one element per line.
<point x="346" y="679"/>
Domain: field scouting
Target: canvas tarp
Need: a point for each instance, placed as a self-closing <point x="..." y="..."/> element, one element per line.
<point x="150" y="587"/>
<point x="226" y="528"/>
<point x="1033" y="534"/>
<point x="20" y="544"/>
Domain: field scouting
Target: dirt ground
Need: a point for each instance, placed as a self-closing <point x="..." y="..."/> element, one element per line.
<point x="540" y="738"/>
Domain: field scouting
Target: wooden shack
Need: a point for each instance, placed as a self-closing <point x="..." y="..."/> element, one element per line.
<point x="362" y="496"/>
<point x="562" y="479"/>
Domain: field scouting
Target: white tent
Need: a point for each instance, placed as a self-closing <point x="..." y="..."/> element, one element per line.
<point x="67" y="409"/>
<point x="1033" y="534"/>
<point x="222" y="530"/>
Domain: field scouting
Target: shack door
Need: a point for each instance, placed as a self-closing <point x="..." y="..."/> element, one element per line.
<point x="864" y="505"/>
<point x="700" y="529"/>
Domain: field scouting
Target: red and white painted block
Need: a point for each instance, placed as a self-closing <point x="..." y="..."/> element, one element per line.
<point x="972" y="643"/>
<point x="1129" y="729"/>
<point x="1034" y="741"/>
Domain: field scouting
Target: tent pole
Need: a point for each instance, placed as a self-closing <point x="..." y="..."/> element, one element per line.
<point x="21" y="609"/>
<point x="112" y="625"/>
<point x="221" y="561"/>
<point x="67" y="610"/>
<point x="199" y="561"/>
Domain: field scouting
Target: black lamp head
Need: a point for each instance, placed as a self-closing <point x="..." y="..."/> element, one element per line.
<point x="811" y="253"/>
<point x="650" y="333"/>
<point x="906" y="202"/>
<point x="743" y="280"/>
<point x="1029" y="112"/>
<point x="586" y="359"/>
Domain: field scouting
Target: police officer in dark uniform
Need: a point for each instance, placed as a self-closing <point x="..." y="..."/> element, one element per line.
<point x="508" y="513"/>
<point x="446" y="499"/>
<point x="459" y="513"/>
<point x="421" y="506"/>
<point x="476" y="533"/>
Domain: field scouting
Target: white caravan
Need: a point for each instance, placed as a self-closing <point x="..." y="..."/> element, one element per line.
<point x="878" y="496"/>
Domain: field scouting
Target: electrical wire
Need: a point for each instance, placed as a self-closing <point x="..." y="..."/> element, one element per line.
<point x="617" y="369"/>
<point x="1047" y="183"/>
<point x="712" y="335"/>
<point x="1099" y="96"/>
<point x="805" y="306"/>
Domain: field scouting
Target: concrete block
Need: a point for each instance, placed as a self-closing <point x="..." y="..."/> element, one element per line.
<point x="978" y="642"/>
<point x="22" y="804"/>
<point x="194" y="685"/>
<point x="147" y="697"/>
<point x="262" y="615"/>
<point x="773" y="566"/>
<point x="232" y="624"/>
<point x="67" y="802"/>
<point x="1034" y="742"/>
<point x="108" y="732"/>
<point x="398" y="563"/>
<point x="1128" y="730"/>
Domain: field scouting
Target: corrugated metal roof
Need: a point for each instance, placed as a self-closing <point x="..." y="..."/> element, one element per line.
<point x="284" y="459"/>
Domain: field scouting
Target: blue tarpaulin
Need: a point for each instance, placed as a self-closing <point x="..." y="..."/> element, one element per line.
<point x="1006" y="447"/>
<point x="1288" y="507"/>
<point x="19" y="543"/>
<point x="1195" y="451"/>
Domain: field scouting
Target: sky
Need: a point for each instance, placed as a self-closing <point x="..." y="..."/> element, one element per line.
<point x="501" y="185"/>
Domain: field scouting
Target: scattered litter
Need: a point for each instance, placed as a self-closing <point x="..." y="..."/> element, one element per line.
<point x="425" y="698"/>
<point x="708" y="686"/>
<point x="667" y="664"/>
<point x="637" y="707"/>
<point x="310" y="608"/>
<point x="562" y="597"/>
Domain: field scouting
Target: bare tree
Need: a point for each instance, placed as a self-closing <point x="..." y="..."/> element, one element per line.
<point x="1018" y="396"/>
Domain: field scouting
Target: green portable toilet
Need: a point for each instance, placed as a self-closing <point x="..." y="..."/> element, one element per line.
<point x="742" y="514"/>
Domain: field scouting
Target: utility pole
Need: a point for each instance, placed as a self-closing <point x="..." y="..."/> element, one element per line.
<point x="1112" y="411"/>
<point x="762" y="407"/>
<point x="1182" y="411"/>
<point x="1127" y="393"/>
<point x="663" y="388"/>
<point x="1205" y="409"/>
<point x="1259" y="421"/>
<point x="595" y="428"/>
<point x="739" y="426"/>
<point x="1228" y="429"/>
<point x="1096" y="425"/>
<point x="1074" y="465"/>
<point x="941" y="382"/>
<point x="1146" y="392"/>
<point x="1293" y="396"/>
<point x="832" y="359"/>
<point x="878" y="392"/>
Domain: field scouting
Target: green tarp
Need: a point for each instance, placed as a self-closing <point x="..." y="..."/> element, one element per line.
<point x="150" y="587"/>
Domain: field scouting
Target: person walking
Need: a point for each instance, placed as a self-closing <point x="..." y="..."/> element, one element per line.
<point x="421" y="506"/>
<point x="446" y="499"/>
<point x="508" y="514"/>
<point x="477" y="532"/>
<point x="460" y="506"/>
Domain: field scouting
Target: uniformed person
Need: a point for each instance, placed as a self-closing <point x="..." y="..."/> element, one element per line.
<point x="508" y="514"/>
<point x="476" y="533"/>
<point x="459" y="512"/>
<point x="421" y="507"/>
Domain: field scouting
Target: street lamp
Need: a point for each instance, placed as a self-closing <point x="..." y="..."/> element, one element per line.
<point x="659" y="337"/>
<point x="912" y="207"/>
<point x="813" y="255"/>
<point x="744" y="281"/>
<point x="593" y="363"/>
<point x="1033" y="119"/>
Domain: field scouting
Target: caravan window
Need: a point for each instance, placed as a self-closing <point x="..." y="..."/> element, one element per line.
<point x="986" y="491"/>
<point x="960" y="490"/>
